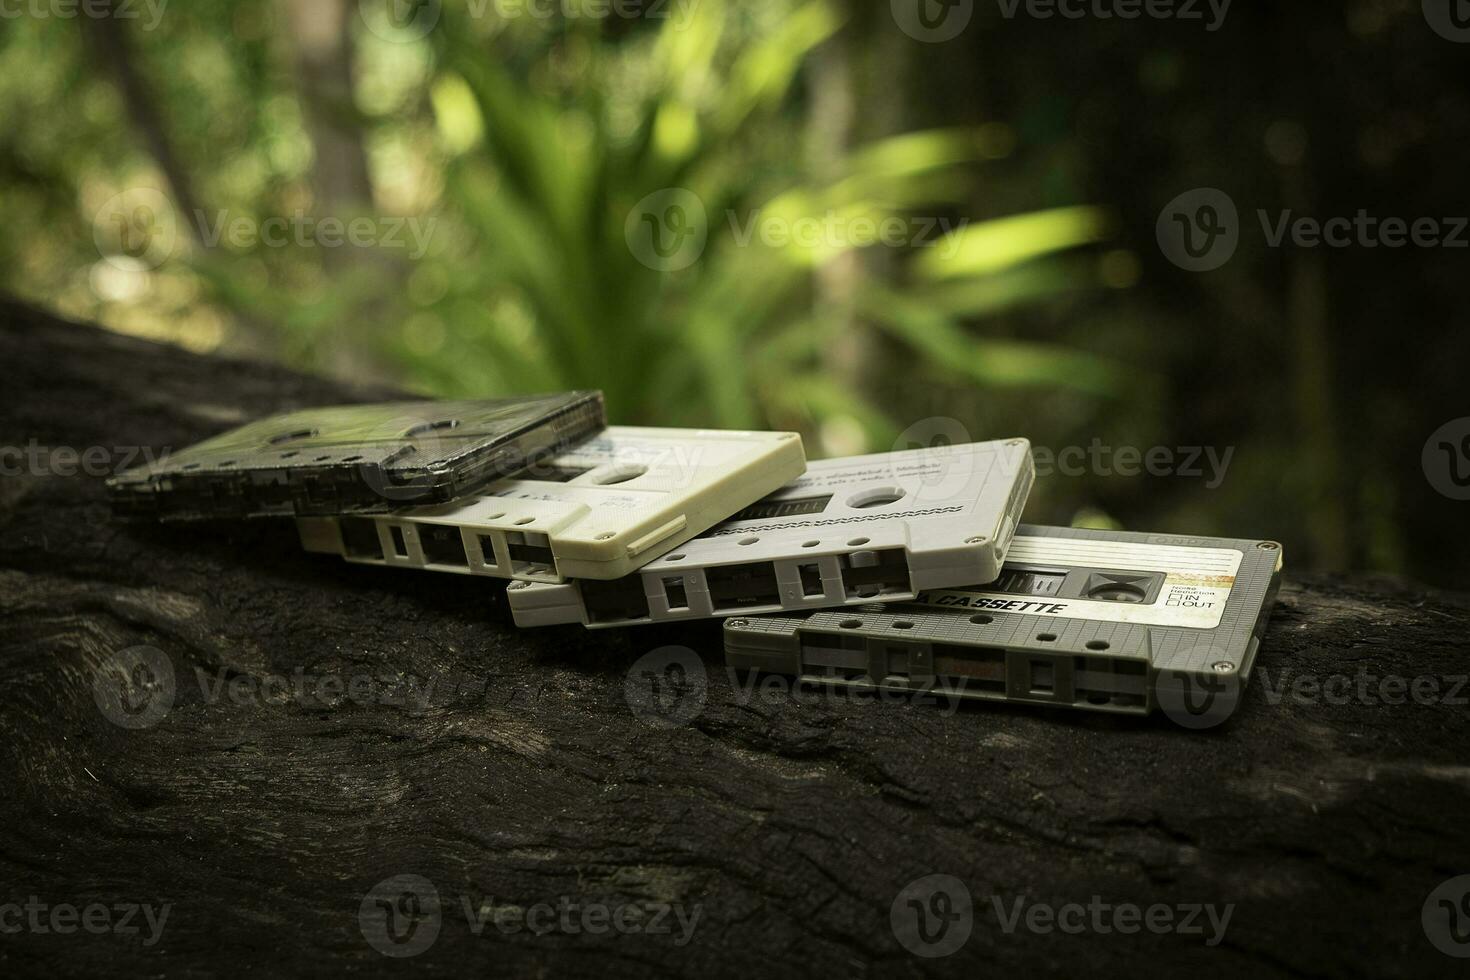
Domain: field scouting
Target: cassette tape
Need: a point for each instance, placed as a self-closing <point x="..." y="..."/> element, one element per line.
<point x="357" y="458"/>
<point x="598" y="511"/>
<point x="851" y="530"/>
<point x="1101" y="620"/>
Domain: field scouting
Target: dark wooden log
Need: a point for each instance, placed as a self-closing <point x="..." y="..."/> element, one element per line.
<point x="515" y="771"/>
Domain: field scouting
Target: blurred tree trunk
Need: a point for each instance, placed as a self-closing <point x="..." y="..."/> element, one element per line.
<point x="1314" y="396"/>
<point x="109" y="39"/>
<point x="107" y="34"/>
<point x="860" y="67"/>
<point x="320" y="31"/>
<point x="324" y="63"/>
<point x="829" y="136"/>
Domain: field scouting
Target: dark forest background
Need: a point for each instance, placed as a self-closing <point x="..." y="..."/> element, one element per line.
<point x="526" y="141"/>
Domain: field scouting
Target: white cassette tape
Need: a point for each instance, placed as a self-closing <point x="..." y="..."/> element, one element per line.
<point x="598" y="511"/>
<point x="851" y="530"/>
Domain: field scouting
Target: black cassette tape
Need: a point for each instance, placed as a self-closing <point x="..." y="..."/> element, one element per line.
<point x="357" y="459"/>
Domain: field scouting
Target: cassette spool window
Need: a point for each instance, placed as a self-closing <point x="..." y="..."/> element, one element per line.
<point x="835" y="657"/>
<point x="1122" y="587"/>
<point x="1043" y="677"/>
<point x="811" y="580"/>
<point x="741" y="586"/>
<point x="1111" y="681"/>
<point x="1081" y="583"/>
<point x="360" y="538"/>
<point x="614" y="601"/>
<point x="973" y="669"/>
<point x="765" y="510"/>
<point x="869" y="574"/>
<point x="1032" y="581"/>
<point x="674" y="592"/>
<point x="529" y="552"/>
<point x="442" y="545"/>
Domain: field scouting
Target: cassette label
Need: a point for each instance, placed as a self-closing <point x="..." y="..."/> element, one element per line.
<point x="850" y="530"/>
<point x="1195" y="587"/>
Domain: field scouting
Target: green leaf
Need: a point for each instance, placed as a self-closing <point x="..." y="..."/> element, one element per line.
<point x="1004" y="363"/>
<point x="992" y="246"/>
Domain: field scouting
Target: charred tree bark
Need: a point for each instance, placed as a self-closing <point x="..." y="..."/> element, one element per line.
<point x="518" y="774"/>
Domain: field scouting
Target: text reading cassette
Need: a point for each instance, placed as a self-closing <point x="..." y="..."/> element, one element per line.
<point x="852" y="530"/>
<point x="1103" y="620"/>
<point x="598" y="511"/>
<point x="357" y="458"/>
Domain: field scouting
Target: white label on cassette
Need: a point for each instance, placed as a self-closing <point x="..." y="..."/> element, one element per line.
<point x="1196" y="582"/>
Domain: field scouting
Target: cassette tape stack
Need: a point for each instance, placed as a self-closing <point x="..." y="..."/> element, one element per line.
<point x="895" y="571"/>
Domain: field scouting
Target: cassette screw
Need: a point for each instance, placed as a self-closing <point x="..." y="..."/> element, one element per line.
<point x="1224" y="667"/>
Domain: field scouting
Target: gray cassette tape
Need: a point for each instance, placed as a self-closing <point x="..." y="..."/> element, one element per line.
<point x="357" y="458"/>
<point x="1101" y="620"/>
<point x="851" y="530"/>
<point x="598" y="511"/>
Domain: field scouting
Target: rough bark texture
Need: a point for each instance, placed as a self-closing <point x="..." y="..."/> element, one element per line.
<point x="789" y="823"/>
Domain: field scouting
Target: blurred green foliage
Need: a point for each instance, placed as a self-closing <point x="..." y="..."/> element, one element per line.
<point x="527" y="146"/>
<point x="687" y="205"/>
